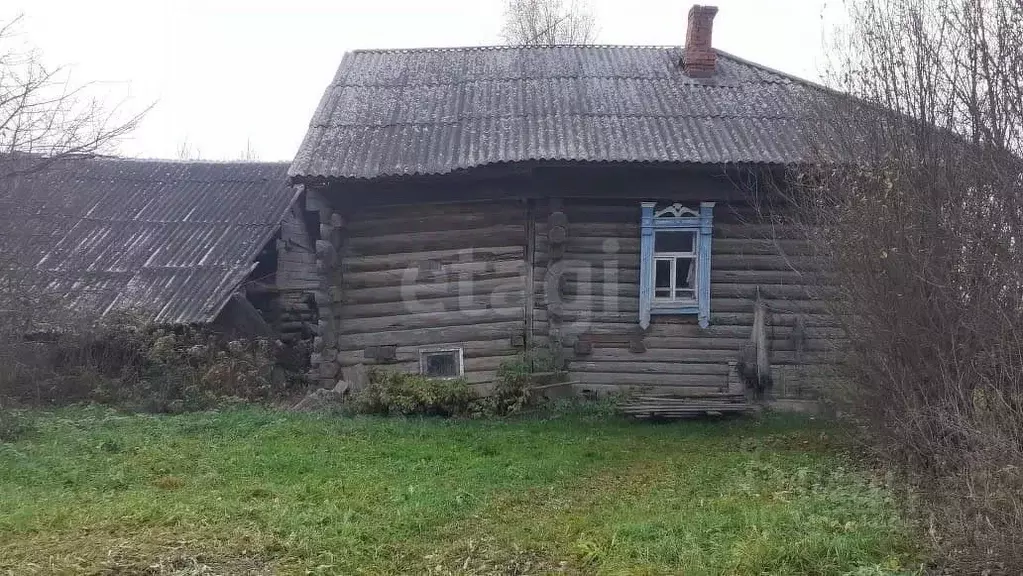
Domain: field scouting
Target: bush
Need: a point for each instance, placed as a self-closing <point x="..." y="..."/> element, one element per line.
<point x="408" y="394"/>
<point x="143" y="367"/>
<point x="513" y="392"/>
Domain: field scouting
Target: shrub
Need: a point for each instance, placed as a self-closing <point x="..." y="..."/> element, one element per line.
<point x="122" y="362"/>
<point x="403" y="393"/>
<point x="407" y="394"/>
<point x="515" y="380"/>
<point x="919" y="241"/>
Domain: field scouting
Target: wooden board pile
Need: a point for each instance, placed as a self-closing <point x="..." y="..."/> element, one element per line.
<point x="674" y="407"/>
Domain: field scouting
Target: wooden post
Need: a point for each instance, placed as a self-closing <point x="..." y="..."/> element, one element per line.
<point x="324" y="365"/>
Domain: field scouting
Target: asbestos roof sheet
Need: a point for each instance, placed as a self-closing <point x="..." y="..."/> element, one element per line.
<point x="433" y="111"/>
<point x="169" y="240"/>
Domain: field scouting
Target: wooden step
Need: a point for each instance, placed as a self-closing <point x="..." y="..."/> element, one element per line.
<point x="671" y="407"/>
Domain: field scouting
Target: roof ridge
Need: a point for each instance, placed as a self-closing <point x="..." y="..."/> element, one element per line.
<point x="511" y="47"/>
<point x="182" y="161"/>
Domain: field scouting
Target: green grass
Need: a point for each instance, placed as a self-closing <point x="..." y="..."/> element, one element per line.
<point x="253" y="491"/>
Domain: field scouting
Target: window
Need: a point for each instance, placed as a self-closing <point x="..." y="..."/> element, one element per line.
<point x="441" y="363"/>
<point x="675" y="266"/>
<point x="675" y="261"/>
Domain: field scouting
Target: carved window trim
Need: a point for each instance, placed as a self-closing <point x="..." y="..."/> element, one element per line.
<point x="675" y="217"/>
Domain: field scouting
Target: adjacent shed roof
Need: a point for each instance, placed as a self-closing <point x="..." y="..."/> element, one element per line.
<point x="433" y="111"/>
<point x="171" y="240"/>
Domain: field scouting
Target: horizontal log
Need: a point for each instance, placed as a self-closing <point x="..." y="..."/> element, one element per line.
<point x="595" y="265"/>
<point x="470" y="349"/>
<point x="477" y="238"/>
<point x="595" y="306"/>
<point x="395" y="214"/>
<point x="508" y="296"/>
<point x="443" y="257"/>
<point x="474" y="378"/>
<point x="285" y="283"/>
<point x="661" y="329"/>
<point x="628" y="248"/>
<point x="682" y="356"/>
<point x="753" y="230"/>
<point x="462" y="217"/>
<point x="430" y="320"/>
<point x="486" y="364"/>
<point x="770" y="291"/>
<point x="696" y="383"/>
<point x="431" y="336"/>
<point x="623" y="366"/>
<point x="787" y="276"/>
<point x="450" y="273"/>
<point x="761" y="262"/>
<point x="602" y="230"/>
<point x="792" y="247"/>
<point x="685" y="325"/>
<point x="783" y="317"/>
<point x="427" y="291"/>
<point x="779" y="343"/>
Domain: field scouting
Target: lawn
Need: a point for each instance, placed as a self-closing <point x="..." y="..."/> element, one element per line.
<point x="254" y="491"/>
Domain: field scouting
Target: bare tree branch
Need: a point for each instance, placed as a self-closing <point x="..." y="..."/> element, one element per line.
<point x="548" y="23"/>
<point x="45" y="120"/>
<point x="924" y="237"/>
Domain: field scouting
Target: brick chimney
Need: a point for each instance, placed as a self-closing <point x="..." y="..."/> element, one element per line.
<point x="699" y="60"/>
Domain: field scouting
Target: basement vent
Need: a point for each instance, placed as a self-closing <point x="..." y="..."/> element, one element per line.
<point x="445" y="363"/>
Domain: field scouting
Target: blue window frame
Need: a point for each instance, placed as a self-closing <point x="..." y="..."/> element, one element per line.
<point x="674" y="275"/>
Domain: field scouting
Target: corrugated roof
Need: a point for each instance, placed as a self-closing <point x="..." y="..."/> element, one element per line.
<point x="171" y="240"/>
<point x="433" y="111"/>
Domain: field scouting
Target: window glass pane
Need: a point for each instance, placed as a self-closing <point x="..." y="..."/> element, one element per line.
<point x="685" y="273"/>
<point x="674" y="241"/>
<point x="685" y="294"/>
<point x="440" y="364"/>
<point x="662" y="274"/>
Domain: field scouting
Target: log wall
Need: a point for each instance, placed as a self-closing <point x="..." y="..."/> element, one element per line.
<point x="434" y="276"/>
<point x="556" y="271"/>
<point x="599" y="304"/>
<point x="291" y="309"/>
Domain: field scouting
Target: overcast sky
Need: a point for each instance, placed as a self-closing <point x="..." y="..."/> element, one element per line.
<point x="230" y="74"/>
